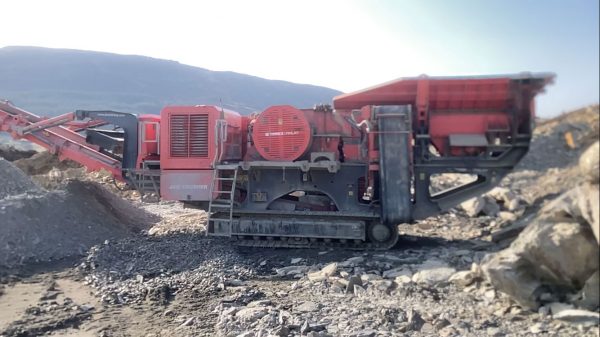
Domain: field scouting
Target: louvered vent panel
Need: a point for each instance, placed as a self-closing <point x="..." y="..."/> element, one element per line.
<point x="199" y="136"/>
<point x="189" y="136"/>
<point x="179" y="132"/>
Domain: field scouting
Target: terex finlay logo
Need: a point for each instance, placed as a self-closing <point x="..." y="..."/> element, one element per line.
<point x="281" y="133"/>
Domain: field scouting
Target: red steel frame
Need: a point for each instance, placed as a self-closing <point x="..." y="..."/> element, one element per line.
<point x="456" y="105"/>
<point x="57" y="139"/>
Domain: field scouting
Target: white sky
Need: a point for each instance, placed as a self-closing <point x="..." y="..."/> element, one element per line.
<point x="346" y="45"/>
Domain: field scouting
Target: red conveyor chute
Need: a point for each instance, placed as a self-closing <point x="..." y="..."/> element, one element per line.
<point x="57" y="139"/>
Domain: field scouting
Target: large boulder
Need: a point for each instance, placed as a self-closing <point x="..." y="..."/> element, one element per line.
<point x="557" y="253"/>
<point x="589" y="163"/>
<point x="588" y="203"/>
<point x="589" y="193"/>
<point x="589" y="297"/>
<point x="564" y="252"/>
<point x="511" y="273"/>
<point x="582" y="203"/>
<point x="556" y="256"/>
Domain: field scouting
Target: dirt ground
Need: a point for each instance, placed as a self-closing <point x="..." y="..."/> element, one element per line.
<point x="171" y="280"/>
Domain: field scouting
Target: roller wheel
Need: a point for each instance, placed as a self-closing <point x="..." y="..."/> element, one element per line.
<point x="382" y="236"/>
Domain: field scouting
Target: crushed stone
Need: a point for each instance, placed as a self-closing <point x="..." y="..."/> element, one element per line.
<point x="38" y="225"/>
<point x="14" y="181"/>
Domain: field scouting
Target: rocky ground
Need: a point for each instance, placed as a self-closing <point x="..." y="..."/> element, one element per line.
<point x="173" y="281"/>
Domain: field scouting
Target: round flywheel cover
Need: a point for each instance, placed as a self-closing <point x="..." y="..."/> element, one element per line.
<point x="281" y="133"/>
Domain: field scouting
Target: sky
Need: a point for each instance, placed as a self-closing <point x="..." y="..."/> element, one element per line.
<point x="343" y="44"/>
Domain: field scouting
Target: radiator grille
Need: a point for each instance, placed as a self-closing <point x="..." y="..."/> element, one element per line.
<point x="189" y="136"/>
<point x="199" y="136"/>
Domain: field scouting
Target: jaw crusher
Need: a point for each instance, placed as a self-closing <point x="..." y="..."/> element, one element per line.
<point x="342" y="175"/>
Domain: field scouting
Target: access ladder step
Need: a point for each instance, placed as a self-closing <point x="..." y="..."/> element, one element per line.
<point x="221" y="201"/>
<point x="219" y="219"/>
<point x="228" y="205"/>
<point x="225" y="167"/>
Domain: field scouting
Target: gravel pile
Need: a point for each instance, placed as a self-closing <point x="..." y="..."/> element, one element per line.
<point x="39" y="225"/>
<point x="43" y="162"/>
<point x="150" y="268"/>
<point x="14" y="181"/>
<point x="12" y="153"/>
<point x="11" y="149"/>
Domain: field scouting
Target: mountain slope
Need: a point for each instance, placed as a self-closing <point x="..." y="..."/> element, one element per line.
<point x="53" y="81"/>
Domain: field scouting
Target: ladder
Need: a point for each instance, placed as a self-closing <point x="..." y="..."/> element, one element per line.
<point x="224" y="201"/>
<point x="146" y="180"/>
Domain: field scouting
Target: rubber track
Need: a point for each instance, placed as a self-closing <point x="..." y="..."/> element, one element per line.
<point x="249" y="241"/>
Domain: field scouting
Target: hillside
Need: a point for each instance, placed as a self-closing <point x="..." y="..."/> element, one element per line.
<point x="53" y="81"/>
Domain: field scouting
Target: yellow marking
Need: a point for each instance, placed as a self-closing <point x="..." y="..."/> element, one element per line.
<point x="569" y="140"/>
